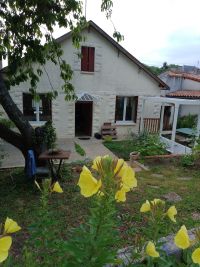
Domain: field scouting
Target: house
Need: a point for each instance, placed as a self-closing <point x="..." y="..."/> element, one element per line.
<point x="109" y="83"/>
<point x="183" y="83"/>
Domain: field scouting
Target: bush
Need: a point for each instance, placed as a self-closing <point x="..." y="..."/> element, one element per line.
<point x="150" y="144"/>
<point x="147" y="144"/>
<point x="187" y="160"/>
<point x="50" y="135"/>
<point x="189" y="121"/>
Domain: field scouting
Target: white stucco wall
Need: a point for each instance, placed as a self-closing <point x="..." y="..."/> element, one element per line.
<point x="186" y="110"/>
<point x="190" y="85"/>
<point x="114" y="75"/>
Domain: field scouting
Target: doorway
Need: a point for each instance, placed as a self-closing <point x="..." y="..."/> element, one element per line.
<point x="83" y="118"/>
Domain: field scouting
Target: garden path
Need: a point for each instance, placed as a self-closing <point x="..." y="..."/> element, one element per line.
<point x="92" y="147"/>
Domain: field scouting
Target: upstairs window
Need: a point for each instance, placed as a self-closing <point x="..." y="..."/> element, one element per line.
<point x="126" y="109"/>
<point x="87" y="58"/>
<point x="37" y="110"/>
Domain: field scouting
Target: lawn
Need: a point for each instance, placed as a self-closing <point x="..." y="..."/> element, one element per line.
<point x="20" y="199"/>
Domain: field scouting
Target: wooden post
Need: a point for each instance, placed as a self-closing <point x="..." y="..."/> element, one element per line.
<point x="198" y="128"/>
<point x="161" y="118"/>
<point x="142" y="116"/>
<point x="173" y="136"/>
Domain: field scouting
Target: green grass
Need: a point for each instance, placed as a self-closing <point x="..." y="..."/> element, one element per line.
<point x="19" y="200"/>
<point x="122" y="149"/>
<point x="146" y="144"/>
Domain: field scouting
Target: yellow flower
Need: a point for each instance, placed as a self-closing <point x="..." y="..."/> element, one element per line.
<point x="119" y="168"/>
<point x="196" y="256"/>
<point x="171" y="212"/>
<point x="151" y="250"/>
<point x="145" y="207"/>
<point x="97" y="162"/>
<point x="5" y="244"/>
<point x="157" y="201"/>
<point x="128" y="179"/>
<point x="88" y="184"/>
<point x="57" y="188"/>
<point x="182" y="239"/>
<point x="120" y="195"/>
<point x="11" y="226"/>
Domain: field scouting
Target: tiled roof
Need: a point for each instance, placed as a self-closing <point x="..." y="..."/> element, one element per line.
<point x="184" y="75"/>
<point x="185" y="94"/>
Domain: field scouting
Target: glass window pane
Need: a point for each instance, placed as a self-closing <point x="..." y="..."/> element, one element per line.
<point x="131" y="109"/>
<point x="28" y="109"/>
<point x="45" y="107"/>
<point x="119" y="108"/>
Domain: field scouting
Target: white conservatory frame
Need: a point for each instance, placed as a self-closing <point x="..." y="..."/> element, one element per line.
<point x="172" y="146"/>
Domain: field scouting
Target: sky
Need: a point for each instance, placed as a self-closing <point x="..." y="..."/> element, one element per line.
<point x="155" y="31"/>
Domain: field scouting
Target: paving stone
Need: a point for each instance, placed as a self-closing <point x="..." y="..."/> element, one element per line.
<point x="168" y="246"/>
<point x="157" y="175"/>
<point x="172" y="197"/>
<point x="186" y="178"/>
<point x="196" y="216"/>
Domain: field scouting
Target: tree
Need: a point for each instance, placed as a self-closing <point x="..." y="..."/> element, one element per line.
<point x="23" y="26"/>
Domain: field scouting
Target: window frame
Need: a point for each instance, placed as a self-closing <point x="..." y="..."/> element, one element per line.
<point x="87" y="59"/>
<point x="134" y="116"/>
<point x="37" y="106"/>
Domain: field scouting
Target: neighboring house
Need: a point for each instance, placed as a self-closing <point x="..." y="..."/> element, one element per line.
<point x="108" y="81"/>
<point x="183" y="83"/>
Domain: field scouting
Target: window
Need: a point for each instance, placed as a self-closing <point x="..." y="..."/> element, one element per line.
<point x="87" y="59"/>
<point x="126" y="108"/>
<point x="37" y="111"/>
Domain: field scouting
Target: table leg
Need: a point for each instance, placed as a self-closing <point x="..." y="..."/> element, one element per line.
<point x="59" y="169"/>
<point x="51" y="165"/>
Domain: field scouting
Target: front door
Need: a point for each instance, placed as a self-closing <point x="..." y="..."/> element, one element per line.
<point x="83" y="118"/>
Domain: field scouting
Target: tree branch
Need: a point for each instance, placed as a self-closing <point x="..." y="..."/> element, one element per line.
<point x="15" y="114"/>
<point x="11" y="137"/>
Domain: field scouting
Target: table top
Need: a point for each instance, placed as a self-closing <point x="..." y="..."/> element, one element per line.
<point x="187" y="131"/>
<point x="62" y="154"/>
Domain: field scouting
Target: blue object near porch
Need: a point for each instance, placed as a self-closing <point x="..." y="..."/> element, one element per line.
<point x="31" y="165"/>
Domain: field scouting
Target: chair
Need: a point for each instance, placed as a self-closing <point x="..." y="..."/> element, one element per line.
<point x="32" y="170"/>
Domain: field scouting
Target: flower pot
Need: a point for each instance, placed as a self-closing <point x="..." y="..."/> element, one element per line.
<point x="133" y="157"/>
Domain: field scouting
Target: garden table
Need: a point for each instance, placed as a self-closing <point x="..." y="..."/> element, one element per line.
<point x="51" y="158"/>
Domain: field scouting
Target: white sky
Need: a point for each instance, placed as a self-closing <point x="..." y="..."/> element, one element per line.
<point x="155" y="30"/>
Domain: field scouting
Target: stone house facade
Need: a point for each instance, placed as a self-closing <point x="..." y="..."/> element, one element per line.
<point x="109" y="83"/>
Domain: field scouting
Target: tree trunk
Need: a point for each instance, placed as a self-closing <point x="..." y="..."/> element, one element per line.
<point x="23" y="140"/>
<point x="15" y="115"/>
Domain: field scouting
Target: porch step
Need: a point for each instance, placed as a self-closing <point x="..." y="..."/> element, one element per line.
<point x="108" y="130"/>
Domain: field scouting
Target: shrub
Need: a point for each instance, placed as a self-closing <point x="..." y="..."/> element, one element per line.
<point x="50" y="135"/>
<point x="149" y="144"/>
<point x="189" y="121"/>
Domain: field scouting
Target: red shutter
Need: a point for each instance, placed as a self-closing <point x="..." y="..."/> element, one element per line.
<point x="91" y="59"/>
<point x="84" y="58"/>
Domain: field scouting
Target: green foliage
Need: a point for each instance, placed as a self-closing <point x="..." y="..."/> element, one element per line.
<point x="79" y="149"/>
<point x="149" y="144"/>
<point x="187" y="160"/>
<point x="92" y="244"/>
<point x="25" y="26"/>
<point x="189" y="121"/>
<point x="8" y="123"/>
<point x="158" y="70"/>
<point x="49" y="135"/>
<point x="146" y="144"/>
